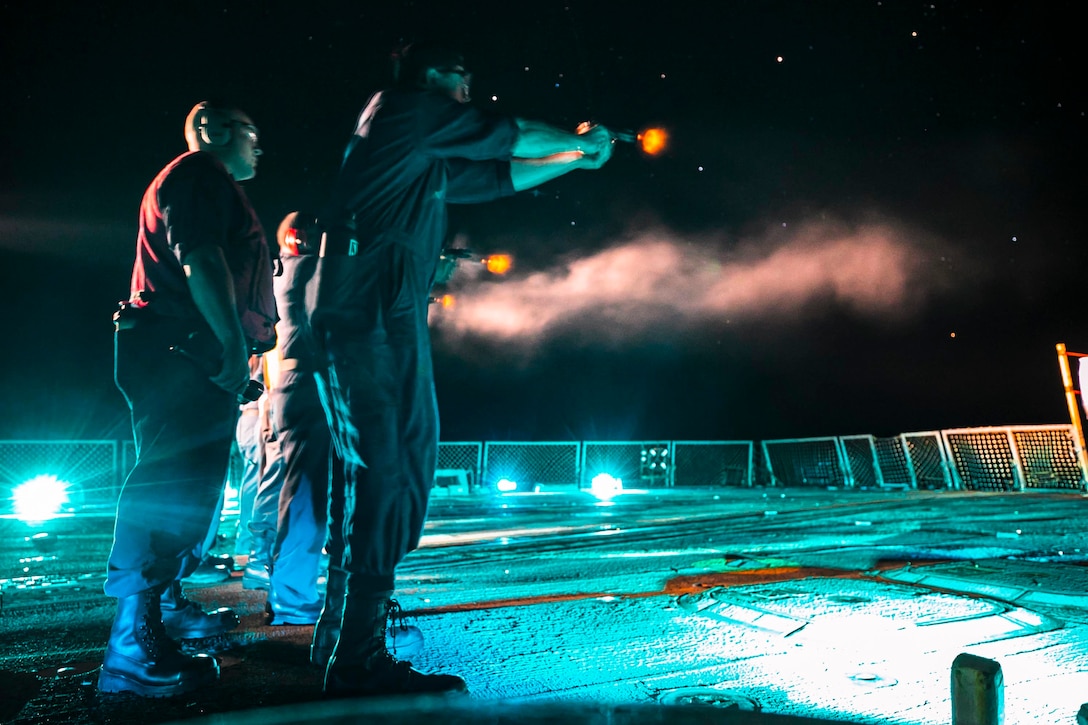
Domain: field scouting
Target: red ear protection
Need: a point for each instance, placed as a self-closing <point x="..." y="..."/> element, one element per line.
<point x="292" y="242"/>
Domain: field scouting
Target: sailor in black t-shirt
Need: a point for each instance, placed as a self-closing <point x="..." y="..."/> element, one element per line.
<point x="200" y="304"/>
<point x="416" y="148"/>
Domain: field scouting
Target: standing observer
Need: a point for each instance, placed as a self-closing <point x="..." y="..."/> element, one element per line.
<point x="299" y="421"/>
<point x="417" y="147"/>
<point x="200" y="304"/>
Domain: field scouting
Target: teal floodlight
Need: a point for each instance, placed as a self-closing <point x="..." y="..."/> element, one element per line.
<point x="40" y="498"/>
<point x="604" y="486"/>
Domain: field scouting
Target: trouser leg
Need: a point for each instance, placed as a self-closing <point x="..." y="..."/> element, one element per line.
<point x="266" y="504"/>
<point x="247" y="436"/>
<point x="327" y="629"/>
<point x="210" y="568"/>
<point x="208" y="544"/>
<point x="378" y="392"/>
<point x="386" y="433"/>
<point x="263" y="521"/>
<point x="183" y="427"/>
<point x="302" y="517"/>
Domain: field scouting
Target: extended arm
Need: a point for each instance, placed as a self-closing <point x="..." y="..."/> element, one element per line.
<point x="527" y="173"/>
<point x="212" y="288"/>
<point x="538" y="140"/>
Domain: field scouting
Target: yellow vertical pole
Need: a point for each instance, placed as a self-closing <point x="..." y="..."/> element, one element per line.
<point x="1074" y="412"/>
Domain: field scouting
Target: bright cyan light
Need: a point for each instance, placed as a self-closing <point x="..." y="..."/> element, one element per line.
<point x="604" y="486"/>
<point x="506" y="485"/>
<point x="40" y="498"/>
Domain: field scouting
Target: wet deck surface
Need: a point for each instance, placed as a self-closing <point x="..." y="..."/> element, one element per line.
<point x="843" y="605"/>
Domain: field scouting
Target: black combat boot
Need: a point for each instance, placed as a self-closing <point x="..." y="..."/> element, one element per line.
<point x="327" y="629"/>
<point x="361" y="665"/>
<point x="401" y="639"/>
<point x="141" y="658"/>
<point x="185" y="619"/>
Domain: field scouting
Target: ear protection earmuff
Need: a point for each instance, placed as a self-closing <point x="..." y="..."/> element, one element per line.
<point x="212" y="126"/>
<point x="299" y="234"/>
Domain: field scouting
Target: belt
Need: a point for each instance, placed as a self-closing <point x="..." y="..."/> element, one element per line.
<point x="129" y="317"/>
<point x="128" y="322"/>
<point x="336" y="245"/>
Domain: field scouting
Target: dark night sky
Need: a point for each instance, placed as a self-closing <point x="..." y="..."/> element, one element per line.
<point x="956" y="130"/>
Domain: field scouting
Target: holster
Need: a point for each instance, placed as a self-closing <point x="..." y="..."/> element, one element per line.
<point x="128" y="315"/>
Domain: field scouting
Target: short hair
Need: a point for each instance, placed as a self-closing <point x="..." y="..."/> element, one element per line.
<point x="412" y="61"/>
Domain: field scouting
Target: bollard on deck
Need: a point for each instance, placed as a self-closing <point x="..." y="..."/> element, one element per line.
<point x="978" y="691"/>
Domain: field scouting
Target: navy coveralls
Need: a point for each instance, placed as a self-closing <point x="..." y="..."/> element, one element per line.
<point x="412" y="153"/>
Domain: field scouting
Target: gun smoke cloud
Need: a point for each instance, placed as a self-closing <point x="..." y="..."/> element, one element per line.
<point x="69" y="238"/>
<point x="655" y="283"/>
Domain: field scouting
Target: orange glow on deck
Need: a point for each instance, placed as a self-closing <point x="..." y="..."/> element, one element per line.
<point x="688" y="585"/>
<point x="446" y="301"/>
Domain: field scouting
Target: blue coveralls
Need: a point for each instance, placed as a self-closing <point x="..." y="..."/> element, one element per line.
<point x="305" y="445"/>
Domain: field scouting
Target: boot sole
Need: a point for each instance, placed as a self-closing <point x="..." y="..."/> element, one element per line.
<point x="355" y="681"/>
<point x="350" y="693"/>
<point x="113" y="684"/>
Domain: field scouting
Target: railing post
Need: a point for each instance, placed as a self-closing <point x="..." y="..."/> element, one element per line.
<point x="909" y="461"/>
<point x="1019" y="473"/>
<point x="770" y="467"/>
<point x="848" y="480"/>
